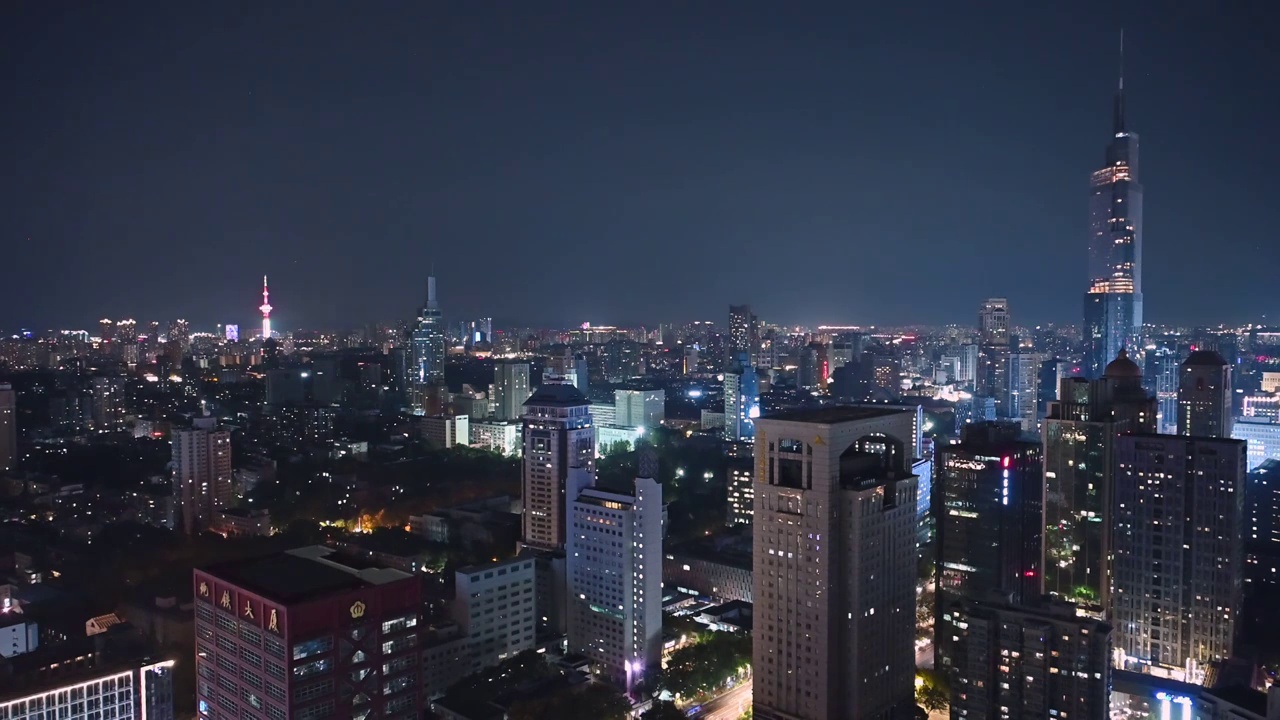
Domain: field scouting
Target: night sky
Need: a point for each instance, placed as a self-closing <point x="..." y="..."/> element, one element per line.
<point x="625" y="162"/>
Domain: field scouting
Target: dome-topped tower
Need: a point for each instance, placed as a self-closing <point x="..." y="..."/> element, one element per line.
<point x="1122" y="367"/>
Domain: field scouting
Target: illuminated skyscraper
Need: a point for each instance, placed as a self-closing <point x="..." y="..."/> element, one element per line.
<point x="835" y="563"/>
<point x="1079" y="438"/>
<point x="741" y="400"/>
<point x="558" y="439"/>
<point x="265" y="307"/>
<point x="993" y="359"/>
<point x="1178" y="563"/>
<point x="1161" y="380"/>
<point x="990" y="524"/>
<point x="993" y="321"/>
<point x="742" y="334"/>
<point x="1024" y="388"/>
<point x="427" y="346"/>
<point x="1113" y="303"/>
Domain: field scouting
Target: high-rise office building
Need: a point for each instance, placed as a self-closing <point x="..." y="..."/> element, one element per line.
<point x="614" y="554"/>
<point x="1113" y="302"/>
<point x="1079" y="444"/>
<point x="8" y="428"/>
<point x="741" y="491"/>
<point x="1161" y="380"/>
<point x="1262" y="437"/>
<point x="741" y="401"/>
<point x="1178" y="563"/>
<point x="743" y="335"/>
<point x="639" y="408"/>
<point x="1023" y="399"/>
<point x="990" y="520"/>
<point x="427" y="346"/>
<point x="834" y="563"/>
<point x="993" y="322"/>
<point x="1052" y="372"/>
<point x="993" y="359"/>
<point x="201" y="472"/>
<point x="558" y="437"/>
<point x="302" y="634"/>
<point x="108" y="403"/>
<point x="1204" y="396"/>
<point x="1038" y="660"/>
<point x="494" y="608"/>
<point x="1262" y="524"/>
<point x="967" y="372"/>
<point x="510" y="389"/>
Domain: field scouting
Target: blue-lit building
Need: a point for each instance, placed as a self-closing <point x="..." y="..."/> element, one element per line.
<point x="741" y="400"/>
<point x="1113" y="302"/>
<point x="1161" y="379"/>
<point x="427" y="344"/>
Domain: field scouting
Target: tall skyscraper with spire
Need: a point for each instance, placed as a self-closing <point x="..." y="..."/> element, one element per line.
<point x="1113" y="302"/>
<point x="427" y="345"/>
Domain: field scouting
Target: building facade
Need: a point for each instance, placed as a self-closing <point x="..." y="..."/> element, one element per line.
<point x="742" y="493"/>
<point x="1204" y="396"/>
<point x="990" y="519"/>
<point x="89" y="688"/>
<point x="834" y="563"/>
<point x="427" y="347"/>
<point x="1261" y="436"/>
<point x="1020" y="661"/>
<point x="510" y="389"/>
<point x="558" y="435"/>
<point x="1023" y="401"/>
<point x="644" y="408"/>
<point x="614" y="556"/>
<point x="1079" y="439"/>
<point x="445" y="431"/>
<point x="303" y="636"/>
<point x="500" y="436"/>
<point x="494" y="609"/>
<point x="1113" y="301"/>
<point x="202" y="479"/>
<point x="8" y="428"/>
<point x="1177" y="576"/>
<point x="1161" y="380"/>
<point x="743" y="336"/>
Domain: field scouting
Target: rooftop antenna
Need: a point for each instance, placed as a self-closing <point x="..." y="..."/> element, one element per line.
<point x="1119" y="110"/>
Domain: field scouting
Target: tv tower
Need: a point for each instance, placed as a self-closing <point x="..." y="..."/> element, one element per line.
<point x="266" y="311"/>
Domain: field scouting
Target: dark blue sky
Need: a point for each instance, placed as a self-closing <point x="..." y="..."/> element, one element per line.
<point x="625" y="162"/>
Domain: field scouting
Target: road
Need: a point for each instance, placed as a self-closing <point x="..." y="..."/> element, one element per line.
<point x="728" y="706"/>
<point x="924" y="656"/>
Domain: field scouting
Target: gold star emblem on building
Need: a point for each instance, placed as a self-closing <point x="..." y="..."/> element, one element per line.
<point x="357" y="610"/>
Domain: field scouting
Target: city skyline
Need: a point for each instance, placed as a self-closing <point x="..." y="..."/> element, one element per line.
<point x="504" y="171"/>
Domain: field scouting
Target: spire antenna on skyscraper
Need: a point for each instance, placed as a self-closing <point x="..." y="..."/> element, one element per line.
<point x="1119" y="119"/>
